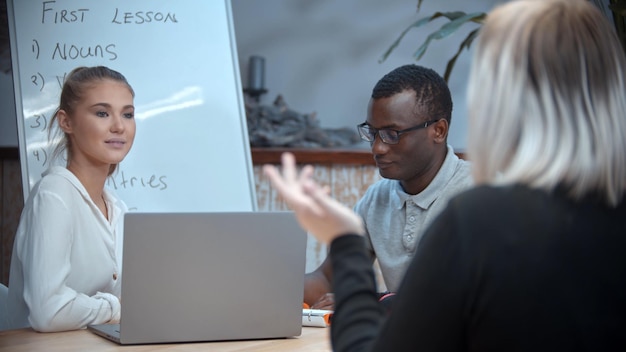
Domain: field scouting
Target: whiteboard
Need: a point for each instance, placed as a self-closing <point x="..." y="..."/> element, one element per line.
<point x="191" y="150"/>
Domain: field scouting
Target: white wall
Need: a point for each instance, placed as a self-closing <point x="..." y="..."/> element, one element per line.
<point x="322" y="56"/>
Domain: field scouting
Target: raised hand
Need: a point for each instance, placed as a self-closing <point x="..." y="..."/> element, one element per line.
<point x="316" y="211"/>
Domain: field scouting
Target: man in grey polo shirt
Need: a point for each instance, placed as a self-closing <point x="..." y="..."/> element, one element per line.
<point x="407" y="124"/>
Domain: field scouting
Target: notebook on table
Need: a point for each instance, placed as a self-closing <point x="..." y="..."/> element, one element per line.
<point x="210" y="277"/>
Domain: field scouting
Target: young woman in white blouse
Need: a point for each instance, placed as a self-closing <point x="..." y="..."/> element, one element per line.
<point x="66" y="262"/>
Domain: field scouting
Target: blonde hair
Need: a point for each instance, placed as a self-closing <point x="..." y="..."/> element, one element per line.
<point x="547" y="101"/>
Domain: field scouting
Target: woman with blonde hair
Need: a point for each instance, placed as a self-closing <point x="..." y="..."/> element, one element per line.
<point x="67" y="255"/>
<point x="532" y="258"/>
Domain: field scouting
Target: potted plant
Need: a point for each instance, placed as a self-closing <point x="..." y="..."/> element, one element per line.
<point x="456" y="19"/>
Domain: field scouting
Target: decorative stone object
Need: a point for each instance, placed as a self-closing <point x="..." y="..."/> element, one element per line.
<point x="277" y="125"/>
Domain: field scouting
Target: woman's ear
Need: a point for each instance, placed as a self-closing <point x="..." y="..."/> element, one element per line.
<point x="441" y="130"/>
<point x="64" y="121"/>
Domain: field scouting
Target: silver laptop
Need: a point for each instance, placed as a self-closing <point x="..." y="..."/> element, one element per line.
<point x="210" y="277"/>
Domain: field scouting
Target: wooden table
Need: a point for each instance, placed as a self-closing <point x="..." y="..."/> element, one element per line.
<point x="312" y="339"/>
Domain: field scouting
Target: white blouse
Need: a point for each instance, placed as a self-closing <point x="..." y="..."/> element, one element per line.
<point x="67" y="257"/>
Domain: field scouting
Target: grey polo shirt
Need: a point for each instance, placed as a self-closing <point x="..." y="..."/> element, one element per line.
<point x="395" y="220"/>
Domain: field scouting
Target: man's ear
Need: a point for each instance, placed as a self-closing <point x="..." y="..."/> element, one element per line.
<point x="64" y="121"/>
<point x="440" y="129"/>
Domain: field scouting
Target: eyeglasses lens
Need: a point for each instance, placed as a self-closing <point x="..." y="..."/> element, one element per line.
<point x="388" y="136"/>
<point x="368" y="133"/>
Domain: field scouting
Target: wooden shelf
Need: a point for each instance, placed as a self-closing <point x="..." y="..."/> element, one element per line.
<point x="321" y="156"/>
<point x="262" y="156"/>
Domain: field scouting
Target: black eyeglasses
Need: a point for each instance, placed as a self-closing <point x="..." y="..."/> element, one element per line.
<point x="388" y="136"/>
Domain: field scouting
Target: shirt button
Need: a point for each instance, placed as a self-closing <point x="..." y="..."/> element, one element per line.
<point x="409" y="237"/>
<point x="412" y="218"/>
<point x="114" y="276"/>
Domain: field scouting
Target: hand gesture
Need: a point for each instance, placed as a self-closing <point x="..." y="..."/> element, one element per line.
<point x="316" y="211"/>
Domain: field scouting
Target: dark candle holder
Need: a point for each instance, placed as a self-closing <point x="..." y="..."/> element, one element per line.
<point x="256" y="78"/>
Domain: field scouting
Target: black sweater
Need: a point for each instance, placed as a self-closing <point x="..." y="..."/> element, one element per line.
<point x="501" y="269"/>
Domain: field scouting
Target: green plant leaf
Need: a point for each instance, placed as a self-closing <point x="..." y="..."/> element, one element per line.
<point x="447" y="29"/>
<point x="419" y="23"/>
<point x="399" y="39"/>
<point x="464" y="45"/>
<point x="452" y="16"/>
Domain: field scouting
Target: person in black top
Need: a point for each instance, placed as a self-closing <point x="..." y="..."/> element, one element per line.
<point x="532" y="258"/>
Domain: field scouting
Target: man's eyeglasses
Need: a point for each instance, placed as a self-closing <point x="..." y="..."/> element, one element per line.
<point x="388" y="136"/>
